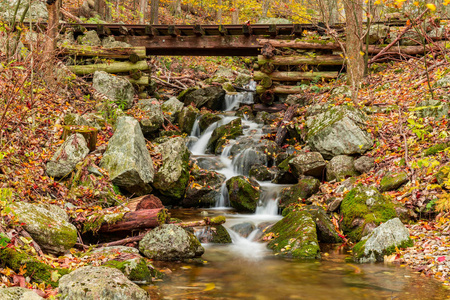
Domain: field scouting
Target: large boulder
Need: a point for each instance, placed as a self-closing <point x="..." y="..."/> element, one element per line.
<point x="299" y="192"/>
<point x="48" y="225"/>
<point x="90" y="38"/>
<point x="223" y="133"/>
<point x="364" y="164"/>
<point x="308" y="164"/>
<point x="244" y="161"/>
<point x="261" y="172"/>
<point x="216" y="234"/>
<point x="207" y="119"/>
<point x="186" y="119"/>
<point x="116" y="88"/>
<point x="339" y="131"/>
<point x="210" y="97"/>
<point x="326" y="232"/>
<point x="382" y="241"/>
<point x="363" y="209"/>
<point x="18" y="293"/>
<point x="431" y="108"/>
<point x="70" y="153"/>
<point x="127" y="159"/>
<point x="294" y="236"/>
<point x="99" y="283"/>
<point x="173" y="176"/>
<point x="341" y="167"/>
<point x="243" y="193"/>
<point x="172" y="108"/>
<point x="204" y="188"/>
<point x="170" y="242"/>
<point x="377" y="34"/>
<point x="36" y="13"/>
<point x="153" y="117"/>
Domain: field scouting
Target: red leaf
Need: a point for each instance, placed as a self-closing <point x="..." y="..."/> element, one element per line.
<point x="441" y="258"/>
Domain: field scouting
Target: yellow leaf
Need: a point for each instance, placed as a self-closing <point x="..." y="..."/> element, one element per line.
<point x="362" y="53"/>
<point x="416" y="3"/>
<point x="431" y="6"/>
<point x="210" y="286"/>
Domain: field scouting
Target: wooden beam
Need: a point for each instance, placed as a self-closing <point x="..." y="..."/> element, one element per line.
<point x="294" y="76"/>
<point x="323" y="60"/>
<point x="151" y="31"/>
<point x="173" y="31"/>
<point x="198" y="30"/>
<point x="89" y="51"/>
<point x="247" y="29"/>
<point x="116" y="67"/>
<point x="273" y="30"/>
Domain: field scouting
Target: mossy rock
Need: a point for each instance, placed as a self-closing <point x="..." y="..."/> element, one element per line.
<point x="187" y="118"/>
<point x="135" y="269"/>
<point x="243" y="193"/>
<point x="299" y="192"/>
<point x="362" y="209"/>
<point x="223" y="133"/>
<point x="436" y="149"/>
<point x="186" y="92"/>
<point x="261" y="173"/>
<point x="295" y="236"/>
<point x="393" y="181"/>
<point x="207" y="119"/>
<point x="245" y="112"/>
<point x="36" y="270"/>
<point x="442" y="176"/>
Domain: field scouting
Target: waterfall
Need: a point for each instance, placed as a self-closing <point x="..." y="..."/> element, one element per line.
<point x="232" y="100"/>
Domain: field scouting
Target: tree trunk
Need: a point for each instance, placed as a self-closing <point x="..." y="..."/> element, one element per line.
<point x="89" y="134"/>
<point x="177" y="8"/>
<point x="89" y="51"/>
<point x="52" y="28"/>
<point x="115" y="67"/>
<point x="295" y="76"/>
<point x="102" y="9"/>
<point x="265" y="8"/>
<point x="140" y="219"/>
<point x="355" y="61"/>
<point x="143" y="10"/>
<point x="154" y="6"/>
<point x="323" y="60"/>
<point x="219" y="12"/>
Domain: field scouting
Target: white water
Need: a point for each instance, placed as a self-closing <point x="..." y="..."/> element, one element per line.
<point x="200" y="146"/>
<point x="232" y="100"/>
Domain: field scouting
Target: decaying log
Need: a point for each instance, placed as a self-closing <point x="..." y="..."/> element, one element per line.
<point x="140" y="219"/>
<point x="266" y="82"/>
<point x="145" y="202"/>
<point x="267" y="98"/>
<point x="89" y="51"/>
<point x="294" y="44"/>
<point x="281" y="89"/>
<point x="205" y="222"/>
<point x="282" y="130"/>
<point x="295" y="76"/>
<point x="144" y="80"/>
<point x="89" y="134"/>
<point x="267" y="67"/>
<point x="270" y="109"/>
<point x="324" y="60"/>
<point x="115" y="67"/>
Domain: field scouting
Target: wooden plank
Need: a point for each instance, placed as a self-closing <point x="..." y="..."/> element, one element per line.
<point x="173" y="31"/>
<point x="324" y="60"/>
<point x="198" y="30"/>
<point x="294" y="76"/>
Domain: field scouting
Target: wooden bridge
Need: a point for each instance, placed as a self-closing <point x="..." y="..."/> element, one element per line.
<point x="203" y="40"/>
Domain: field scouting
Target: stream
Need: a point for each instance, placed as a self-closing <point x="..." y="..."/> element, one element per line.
<point x="246" y="269"/>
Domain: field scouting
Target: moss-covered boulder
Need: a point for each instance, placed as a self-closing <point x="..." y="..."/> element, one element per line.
<point x="382" y="241"/>
<point x="90" y="38"/>
<point x="436" y="149"/>
<point x="294" y="236"/>
<point x="48" y="225"/>
<point x="299" y="192"/>
<point x="245" y="112"/>
<point x="38" y="271"/>
<point x="326" y="232"/>
<point x="261" y="172"/>
<point x="127" y="159"/>
<point x="170" y="242"/>
<point x="187" y="118"/>
<point x="362" y="209"/>
<point x="393" y="181"/>
<point x="223" y="133"/>
<point x="172" y="108"/>
<point x="203" y="189"/>
<point x="245" y="160"/>
<point x="283" y="172"/>
<point x="173" y="176"/>
<point x="431" y="108"/>
<point x="340" y="130"/>
<point x="153" y="118"/>
<point x="341" y="167"/>
<point x="216" y="234"/>
<point x="308" y="164"/>
<point x="207" y="119"/>
<point x="243" y="193"/>
<point x="127" y="260"/>
<point x="211" y="97"/>
<point x="99" y="283"/>
<point x="116" y="88"/>
<point x="18" y="293"/>
<point x="69" y="154"/>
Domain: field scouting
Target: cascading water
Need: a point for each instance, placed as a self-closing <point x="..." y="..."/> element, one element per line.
<point x="232" y="100"/>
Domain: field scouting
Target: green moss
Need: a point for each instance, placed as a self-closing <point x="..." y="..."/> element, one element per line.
<point x="243" y="193"/>
<point x="223" y="133"/>
<point x="221" y="235"/>
<point x="393" y="181"/>
<point x="284" y="165"/>
<point x="37" y="271"/>
<point x="94" y="222"/>
<point x="218" y="220"/>
<point x="359" y="249"/>
<point x="135" y="269"/>
<point x="163" y="216"/>
<point x="436" y="149"/>
<point x="368" y="205"/>
<point x="207" y="119"/>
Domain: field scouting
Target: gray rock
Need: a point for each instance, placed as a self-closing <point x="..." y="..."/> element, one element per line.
<point x="326" y="233"/>
<point x="171" y="108"/>
<point x="48" y="225"/>
<point x="90" y="38"/>
<point x="381" y="241"/>
<point x="340" y="167"/>
<point x="244" y="161"/>
<point x="242" y="79"/>
<point x="223" y="71"/>
<point x="213" y="234"/>
<point x="393" y="181"/>
<point x="173" y="176"/>
<point x="210" y="163"/>
<point x="378" y="33"/>
<point x="204" y="189"/>
<point x="210" y="97"/>
<point x="342" y="90"/>
<point x="444" y="81"/>
<point x="153" y="117"/>
<point x="116" y="88"/>
<point x="299" y="192"/>
<point x="339" y="131"/>
<point x="38" y="11"/>
<point x="170" y="242"/>
<point x="70" y="153"/>
<point x="186" y="118"/>
<point x="431" y="108"/>
<point x="244" y="229"/>
<point x="364" y="164"/>
<point x="333" y="204"/>
<point x="99" y="283"/>
<point x="18" y="293"/>
<point x="110" y="42"/>
<point x="222" y="133"/>
<point x="90" y="120"/>
<point x="261" y="172"/>
<point x="309" y="164"/>
<point x="127" y="159"/>
<point x="301" y="100"/>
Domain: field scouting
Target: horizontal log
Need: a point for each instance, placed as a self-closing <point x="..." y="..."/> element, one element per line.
<point x="324" y="60"/>
<point x="115" y="67"/>
<point x="139" y="219"/>
<point x="295" y="44"/>
<point x="294" y="76"/>
<point x="219" y="220"/>
<point x="89" y="51"/>
<point x="144" y="80"/>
